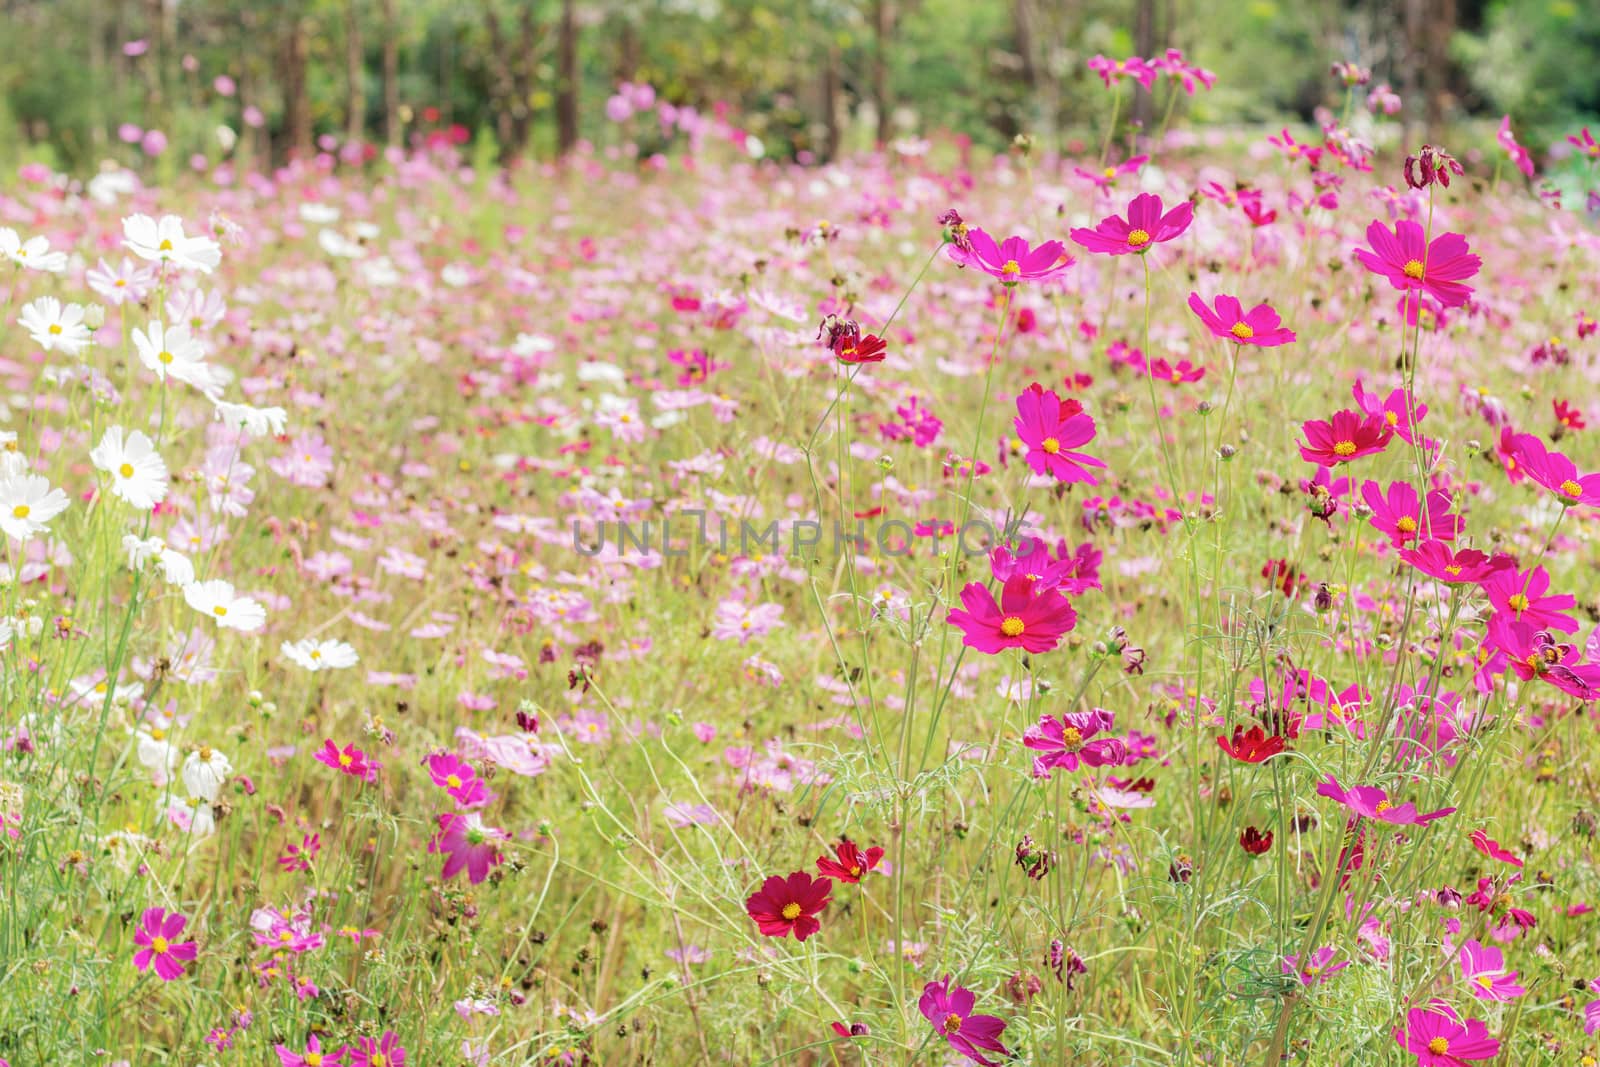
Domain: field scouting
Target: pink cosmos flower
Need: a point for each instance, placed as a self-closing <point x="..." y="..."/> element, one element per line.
<point x="1317" y="969"/>
<point x="1484" y="970"/>
<point x="1412" y="263"/>
<point x="1285" y="143"/>
<point x="1181" y="373"/>
<point x="1011" y="261"/>
<point x="1183" y="72"/>
<point x="313" y="1056"/>
<point x="1104" y="179"/>
<point x="1052" y="428"/>
<point x="1112" y="71"/>
<point x="1392" y="409"/>
<point x="348" y="760"/>
<point x="1143" y="229"/>
<point x="1518" y="154"/>
<point x="470" y="845"/>
<point x="1070" y="741"/>
<point x="384" y="1052"/>
<point x="1368" y="801"/>
<point x="1555" y="472"/>
<point x="1260" y="327"/>
<point x="1585" y="143"/>
<point x="949" y="1009"/>
<point x="458" y="778"/>
<point x="1521" y="595"/>
<point x="1025" y="619"/>
<point x="1454" y="566"/>
<point x="1396" y="513"/>
<point x="1344" y="437"/>
<point x="1492" y="848"/>
<point x="159" y="947"/>
<point x="1438" y="1038"/>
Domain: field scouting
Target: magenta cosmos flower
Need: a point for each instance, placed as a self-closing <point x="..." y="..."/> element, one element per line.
<point x="1437" y="1037"/>
<point x="1011" y="261"/>
<point x="1112" y="71"/>
<point x="1368" y="801"/>
<point x="1344" y="437"/>
<point x="1492" y="848"/>
<point x="1453" y="566"/>
<point x="1554" y="471"/>
<point x="1520" y="595"/>
<point x="1070" y="740"/>
<point x="1412" y="263"/>
<point x="467" y="845"/>
<point x="1393" y="409"/>
<point x="313" y="1056"/>
<point x="1260" y="326"/>
<point x="784" y="906"/>
<point x="1052" y="429"/>
<point x="160" y="948"/>
<point x="1484" y="969"/>
<point x="1518" y="154"/>
<point x="455" y="776"/>
<point x="348" y="760"/>
<point x="1397" y="514"/>
<point x="384" y="1052"/>
<point x="1033" y="621"/>
<point x="949" y="1009"/>
<point x="1144" y="228"/>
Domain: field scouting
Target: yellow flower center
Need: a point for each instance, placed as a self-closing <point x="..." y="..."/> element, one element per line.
<point x="126" y="470"/>
<point x="1406" y="524"/>
<point x="165" y="246"/>
<point x="1345" y="448"/>
<point x="1011" y="267"/>
<point x="1383" y="806"/>
<point x="1412" y="269"/>
<point x="791" y="911"/>
<point x="159" y="946"/>
<point x="1518" y="602"/>
<point x="345" y="759"/>
<point x="1439" y="1046"/>
<point x="952" y="1024"/>
<point x="21" y="511"/>
<point x="1050" y="445"/>
<point x="55" y="328"/>
<point x="1138" y="239"/>
<point x="1071" y="739"/>
<point x="1011" y="627"/>
<point x="1391" y="418"/>
<point x="1571" y="488"/>
<point x="1452" y="569"/>
<point x="1485" y="981"/>
<point x="379" y="1060"/>
<point x="219" y="610"/>
<point x="855" y="871"/>
<point x="1110" y="172"/>
<point x="1242" y="331"/>
<point x="165" y="357"/>
<point x="313" y="1059"/>
<point x="453" y="781"/>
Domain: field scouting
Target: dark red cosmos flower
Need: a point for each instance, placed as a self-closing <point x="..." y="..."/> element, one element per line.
<point x="868" y="348"/>
<point x="853" y="1030"/>
<point x="851" y="863"/>
<point x="1492" y="848"/>
<point x="1251" y="746"/>
<point x="1254" y="841"/>
<point x="789" y="905"/>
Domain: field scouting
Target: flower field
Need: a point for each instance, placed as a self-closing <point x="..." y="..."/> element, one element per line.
<point x="928" y="608"/>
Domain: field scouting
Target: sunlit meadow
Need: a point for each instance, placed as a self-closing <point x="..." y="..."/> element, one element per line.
<point x="1132" y="608"/>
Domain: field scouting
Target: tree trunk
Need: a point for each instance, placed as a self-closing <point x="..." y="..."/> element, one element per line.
<point x="1144" y="45"/>
<point x="296" y="100"/>
<point x="567" y="81"/>
<point x="883" y="27"/>
<point x="355" y="119"/>
<point x="97" y="78"/>
<point x="830" y="102"/>
<point x="391" y="75"/>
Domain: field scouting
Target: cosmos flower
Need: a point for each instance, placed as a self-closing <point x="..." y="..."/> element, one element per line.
<point x="784" y="906"/>
<point x="1397" y="513"/>
<point x="1437" y="1037"/>
<point x="1454" y="566"/>
<point x="1112" y="71"/>
<point x="163" y="241"/>
<point x="349" y="760"/>
<point x="1022" y="618"/>
<point x="1521" y="595"/>
<point x="34" y="253"/>
<point x="950" y="1009"/>
<point x="1413" y="264"/>
<point x="138" y="473"/>
<point x="1492" y="848"/>
<point x="217" y="600"/>
<point x="1344" y="437"/>
<point x="1370" y="802"/>
<point x="1518" y="154"/>
<point x="159" y="947"/>
<point x="316" y="655"/>
<point x="1012" y="260"/>
<point x="377" y="1052"/>
<point x="56" y="327"/>
<point x="171" y="352"/>
<point x="458" y="778"/>
<point x="1554" y="471"/>
<point x="848" y="863"/>
<point x="1251" y="746"/>
<point x="27" y="504"/>
<point x="1070" y="740"/>
<point x="1053" y="429"/>
<point x="467" y="845"/>
<point x="1260" y="327"/>
<point x="1144" y="228"/>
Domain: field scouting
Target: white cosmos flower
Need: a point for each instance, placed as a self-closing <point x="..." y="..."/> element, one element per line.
<point x="257" y="422"/>
<point x="172" y="351"/>
<point x="337" y="244"/>
<point x="204" y="771"/>
<point x="165" y="242"/>
<point x="56" y="328"/>
<point x="175" y="566"/>
<point x="138" y="473"/>
<point x="155" y="753"/>
<point x="316" y="655"/>
<point x="27" y="504"/>
<point x="217" y="599"/>
<point x="319" y="214"/>
<point x="34" y="253"/>
<point x="107" y="186"/>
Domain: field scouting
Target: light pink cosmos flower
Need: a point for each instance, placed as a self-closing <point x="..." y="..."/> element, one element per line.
<point x="159" y="947"/>
<point x="1260" y="326"/>
<point x="1012" y="260"/>
<point x="1144" y="228"/>
<point x="740" y="622"/>
<point x="1483" y="968"/>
